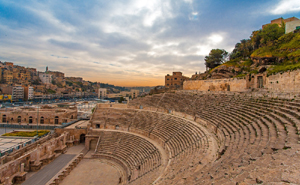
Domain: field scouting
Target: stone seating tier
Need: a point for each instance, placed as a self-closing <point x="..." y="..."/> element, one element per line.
<point x="249" y="131"/>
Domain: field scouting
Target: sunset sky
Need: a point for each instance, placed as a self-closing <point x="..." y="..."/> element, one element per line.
<point x="128" y="43"/>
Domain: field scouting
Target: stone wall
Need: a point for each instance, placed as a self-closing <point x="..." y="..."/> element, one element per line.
<point x="46" y="116"/>
<point x="33" y="159"/>
<point x="74" y="133"/>
<point x="112" y="105"/>
<point x="288" y="82"/>
<point x="285" y="82"/>
<point x="291" y="26"/>
<point x="229" y="84"/>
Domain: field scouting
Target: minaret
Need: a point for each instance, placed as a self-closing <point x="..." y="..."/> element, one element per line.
<point x="46" y="68"/>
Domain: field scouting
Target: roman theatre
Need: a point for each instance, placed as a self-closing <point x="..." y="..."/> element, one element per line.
<point x="188" y="137"/>
<point x="192" y="137"/>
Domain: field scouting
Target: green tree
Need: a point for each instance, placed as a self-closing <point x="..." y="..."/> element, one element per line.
<point x="270" y="33"/>
<point x="121" y="99"/>
<point x="255" y="39"/>
<point x="242" y="50"/>
<point x="215" y="58"/>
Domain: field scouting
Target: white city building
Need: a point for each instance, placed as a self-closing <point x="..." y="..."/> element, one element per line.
<point x="30" y="92"/>
<point x="45" y="78"/>
<point x="102" y="93"/>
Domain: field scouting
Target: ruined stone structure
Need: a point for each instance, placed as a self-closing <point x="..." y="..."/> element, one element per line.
<point x="14" y="167"/>
<point x="281" y="82"/>
<point x="227" y="84"/>
<point x="175" y="81"/>
<point x="280" y="20"/>
<point x="147" y="144"/>
<point x="46" y="115"/>
<point x="193" y="137"/>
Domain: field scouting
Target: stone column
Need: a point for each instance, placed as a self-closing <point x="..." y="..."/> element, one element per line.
<point x="60" y="143"/>
<point x="38" y="152"/>
<point x="49" y="148"/>
<point x="22" y="167"/>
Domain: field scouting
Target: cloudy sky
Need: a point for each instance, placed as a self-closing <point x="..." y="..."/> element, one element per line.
<point x="128" y="43"/>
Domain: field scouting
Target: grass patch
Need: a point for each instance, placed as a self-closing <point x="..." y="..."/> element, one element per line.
<point x="286" y="46"/>
<point x="50" y="91"/>
<point x="283" y="68"/>
<point x="240" y="76"/>
<point x="247" y="63"/>
<point x="27" y="134"/>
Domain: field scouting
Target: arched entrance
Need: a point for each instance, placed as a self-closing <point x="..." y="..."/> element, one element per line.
<point x="19" y="119"/>
<point x="30" y="119"/>
<point x="4" y="119"/>
<point x="42" y="120"/>
<point x="82" y="138"/>
<point x="56" y="120"/>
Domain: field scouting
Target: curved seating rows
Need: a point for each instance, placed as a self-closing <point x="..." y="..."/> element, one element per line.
<point x="185" y="142"/>
<point x="252" y="133"/>
<point x="139" y="155"/>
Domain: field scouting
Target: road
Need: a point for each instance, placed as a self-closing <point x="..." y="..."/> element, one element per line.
<point x="50" y="170"/>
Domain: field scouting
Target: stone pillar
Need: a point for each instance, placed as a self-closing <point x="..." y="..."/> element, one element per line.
<point x="65" y="137"/>
<point x="59" y="143"/>
<point x="38" y="153"/>
<point x="49" y="150"/>
<point x="22" y="167"/>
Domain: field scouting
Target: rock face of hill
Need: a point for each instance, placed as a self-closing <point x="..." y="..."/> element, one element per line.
<point x="267" y="51"/>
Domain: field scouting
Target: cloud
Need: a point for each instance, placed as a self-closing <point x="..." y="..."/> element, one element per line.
<point x="119" y="41"/>
<point x="286" y="6"/>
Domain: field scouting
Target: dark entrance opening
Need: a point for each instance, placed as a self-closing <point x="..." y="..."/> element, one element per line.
<point x="4" y="118"/>
<point x="56" y="120"/>
<point x="42" y="120"/>
<point x="30" y="119"/>
<point x="259" y="82"/>
<point x="82" y="138"/>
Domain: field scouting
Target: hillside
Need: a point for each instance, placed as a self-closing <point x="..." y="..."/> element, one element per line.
<point x="267" y="51"/>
